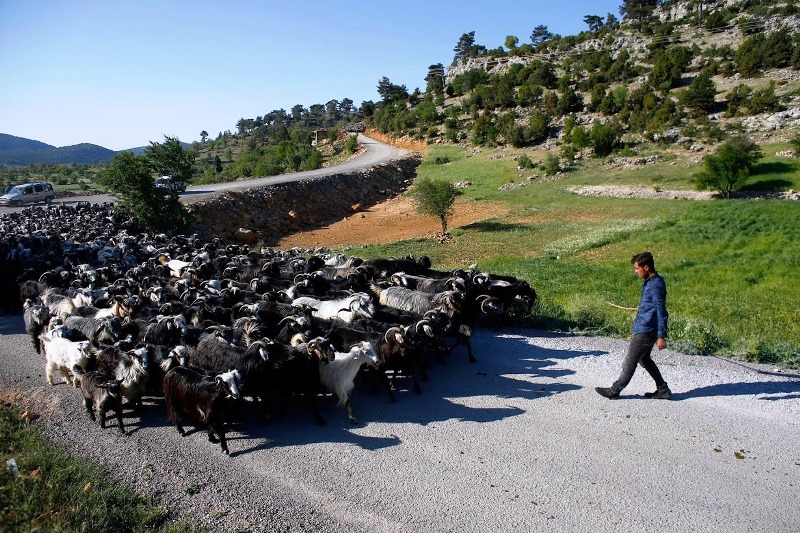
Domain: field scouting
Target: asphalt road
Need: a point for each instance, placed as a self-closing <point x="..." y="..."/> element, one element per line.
<point x="518" y="441"/>
<point x="375" y="153"/>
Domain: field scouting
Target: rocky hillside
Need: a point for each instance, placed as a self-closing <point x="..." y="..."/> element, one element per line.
<point x="688" y="73"/>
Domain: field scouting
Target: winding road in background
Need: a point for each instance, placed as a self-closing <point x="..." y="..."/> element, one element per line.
<point x="375" y="153"/>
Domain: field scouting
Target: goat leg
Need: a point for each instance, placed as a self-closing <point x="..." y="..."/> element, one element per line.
<point x="350" y="417"/>
<point x="216" y="432"/>
<point x="89" y="404"/>
<point x="118" y="409"/>
<point x="312" y="397"/>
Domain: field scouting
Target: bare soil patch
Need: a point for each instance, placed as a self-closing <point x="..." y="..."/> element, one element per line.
<point x="393" y="220"/>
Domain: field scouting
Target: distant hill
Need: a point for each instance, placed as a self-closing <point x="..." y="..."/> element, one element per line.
<point x="20" y="151"/>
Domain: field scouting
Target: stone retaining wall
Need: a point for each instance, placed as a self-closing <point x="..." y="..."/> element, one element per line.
<point x="267" y="214"/>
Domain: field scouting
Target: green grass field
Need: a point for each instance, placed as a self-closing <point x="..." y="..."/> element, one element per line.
<point x="55" y="492"/>
<point x="730" y="265"/>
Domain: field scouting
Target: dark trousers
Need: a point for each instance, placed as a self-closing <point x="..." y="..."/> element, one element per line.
<point x="638" y="354"/>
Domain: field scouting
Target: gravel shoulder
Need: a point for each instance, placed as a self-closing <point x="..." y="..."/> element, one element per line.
<point x="518" y="441"/>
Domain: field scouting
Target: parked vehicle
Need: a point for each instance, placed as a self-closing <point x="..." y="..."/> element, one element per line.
<point x="171" y="184"/>
<point x="28" y="193"/>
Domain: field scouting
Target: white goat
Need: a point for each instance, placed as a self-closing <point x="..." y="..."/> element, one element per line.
<point x="416" y="301"/>
<point x="357" y="305"/>
<point x="63" y="306"/>
<point x="61" y="355"/>
<point x="338" y="375"/>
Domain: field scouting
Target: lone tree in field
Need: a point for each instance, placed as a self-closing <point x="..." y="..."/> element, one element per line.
<point x="131" y="179"/>
<point x="435" y="198"/>
<point x="728" y="169"/>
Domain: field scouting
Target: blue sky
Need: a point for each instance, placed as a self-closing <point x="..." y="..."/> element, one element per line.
<point x="122" y="74"/>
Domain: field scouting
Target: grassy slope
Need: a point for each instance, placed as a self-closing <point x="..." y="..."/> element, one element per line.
<point x="729" y="264"/>
<point x="55" y="492"/>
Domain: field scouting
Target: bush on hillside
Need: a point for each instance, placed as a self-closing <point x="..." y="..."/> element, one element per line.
<point x="729" y="168"/>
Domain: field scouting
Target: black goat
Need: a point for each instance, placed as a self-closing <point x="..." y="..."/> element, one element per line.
<point x="101" y="393"/>
<point x="201" y="398"/>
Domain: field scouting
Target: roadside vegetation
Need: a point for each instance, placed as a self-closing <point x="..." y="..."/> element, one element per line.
<point x="44" y="489"/>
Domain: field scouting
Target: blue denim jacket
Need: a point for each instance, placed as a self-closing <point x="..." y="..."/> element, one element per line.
<point x="652" y="314"/>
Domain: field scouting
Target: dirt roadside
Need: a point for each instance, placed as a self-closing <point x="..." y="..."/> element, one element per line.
<point x="392" y="220"/>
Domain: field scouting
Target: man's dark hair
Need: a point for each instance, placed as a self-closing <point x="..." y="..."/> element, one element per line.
<point x="644" y="259"/>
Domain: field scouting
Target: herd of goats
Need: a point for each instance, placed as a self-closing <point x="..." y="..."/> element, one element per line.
<point x="120" y="314"/>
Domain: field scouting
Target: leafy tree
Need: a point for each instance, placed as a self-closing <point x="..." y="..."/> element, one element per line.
<point x="463" y="83"/>
<point x="511" y="42"/>
<point x="538" y="126"/>
<point x="605" y="137"/>
<point x="749" y="57"/>
<point x="569" y="101"/>
<point x="700" y="94"/>
<point x="594" y="22"/>
<point x="764" y="100"/>
<point x="637" y="10"/>
<point x="466" y="48"/>
<point x="435" y="198"/>
<point x="540" y="35"/>
<point x="203" y="136"/>
<point x="171" y="159"/>
<point x="389" y="91"/>
<point x="737" y="98"/>
<point x="367" y="108"/>
<point x="778" y="48"/>
<point x="580" y="138"/>
<point x="130" y="178"/>
<point x="435" y="79"/>
<point x="729" y="168"/>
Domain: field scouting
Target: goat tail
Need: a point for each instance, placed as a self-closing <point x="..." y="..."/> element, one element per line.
<point x="375" y="289"/>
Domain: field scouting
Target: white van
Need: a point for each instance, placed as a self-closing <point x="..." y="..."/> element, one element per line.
<point x="171" y="184"/>
<point x="28" y="193"/>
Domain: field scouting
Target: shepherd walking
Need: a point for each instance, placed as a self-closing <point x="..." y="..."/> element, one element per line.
<point x="649" y="328"/>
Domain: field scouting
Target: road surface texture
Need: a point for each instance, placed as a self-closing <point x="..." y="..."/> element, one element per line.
<point x="517" y="442"/>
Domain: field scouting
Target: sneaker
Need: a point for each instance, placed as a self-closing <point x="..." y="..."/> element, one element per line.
<point x="661" y="393"/>
<point x="606" y="392"/>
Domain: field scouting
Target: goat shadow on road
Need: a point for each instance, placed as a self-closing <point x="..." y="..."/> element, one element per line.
<point x="510" y="374"/>
<point x="11" y="324"/>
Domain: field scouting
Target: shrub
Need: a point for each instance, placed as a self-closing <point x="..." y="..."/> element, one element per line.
<point x="605" y="137"/>
<point x="551" y="165"/>
<point x="795" y="142"/>
<point x="351" y="145"/>
<point x="729" y="168"/>
<point x="435" y="198"/>
<point x="524" y="161"/>
<point x="539" y="127"/>
<point x="700" y="94"/>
